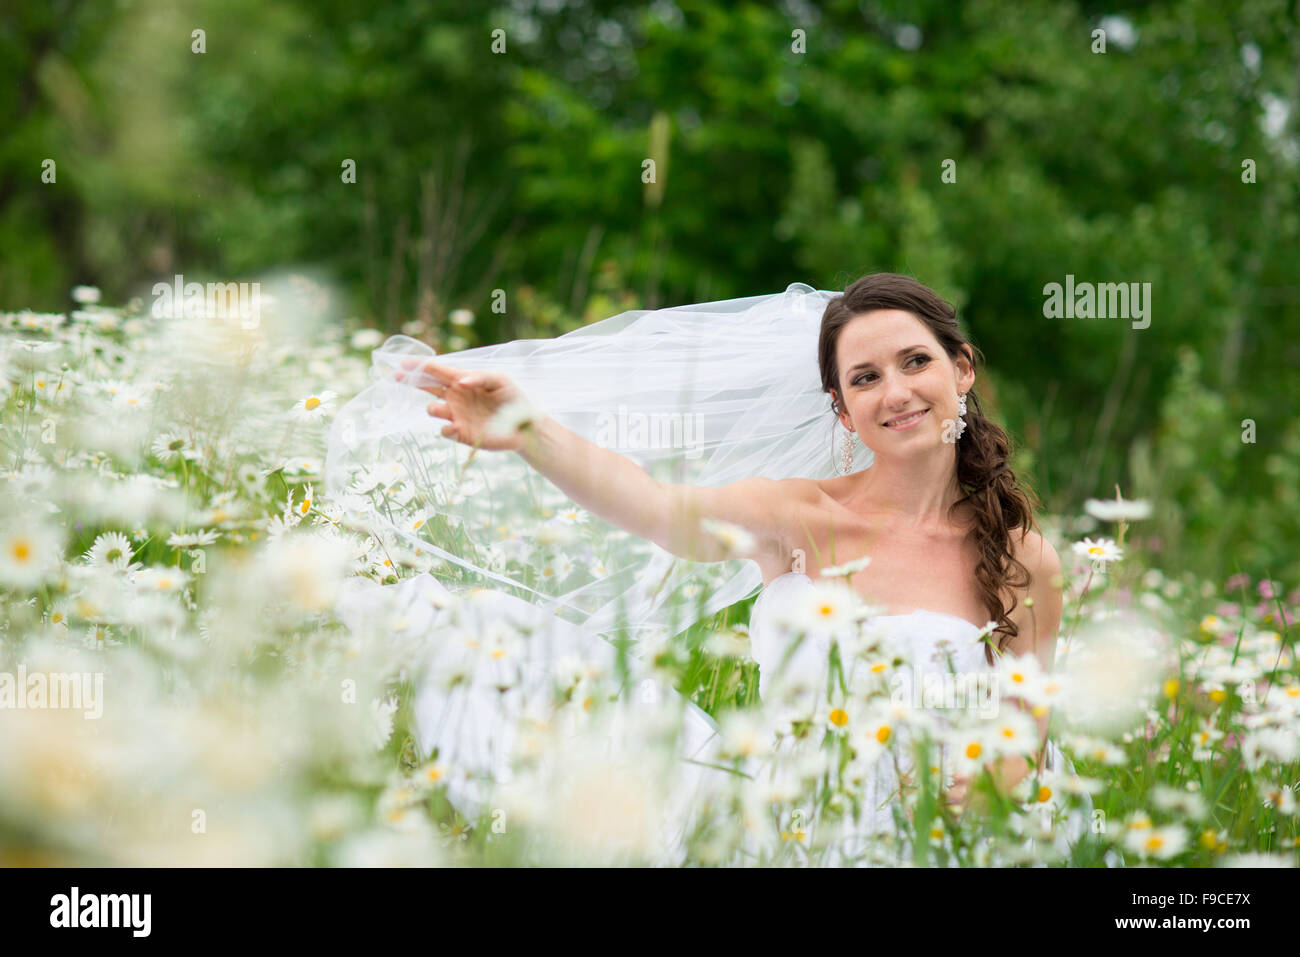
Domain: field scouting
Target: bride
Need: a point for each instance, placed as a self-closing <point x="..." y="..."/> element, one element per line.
<point x="935" y="532"/>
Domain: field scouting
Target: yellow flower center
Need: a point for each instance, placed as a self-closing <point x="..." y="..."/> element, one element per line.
<point x="882" y="733"/>
<point x="839" y="718"/>
<point x="21" y="550"/>
<point x="311" y="403"/>
<point x="1154" y="842"/>
<point x="1171" y="688"/>
<point x="974" y="750"/>
<point x="1217" y="695"/>
<point x="1044" y="794"/>
<point x="826" y="610"/>
<point x="1096" y="550"/>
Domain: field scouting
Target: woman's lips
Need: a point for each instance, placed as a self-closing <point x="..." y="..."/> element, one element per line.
<point x="909" y="422"/>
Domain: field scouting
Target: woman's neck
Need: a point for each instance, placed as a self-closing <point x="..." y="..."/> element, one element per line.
<point x="916" y="492"/>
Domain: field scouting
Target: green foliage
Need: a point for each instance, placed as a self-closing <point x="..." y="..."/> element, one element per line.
<point x="522" y="171"/>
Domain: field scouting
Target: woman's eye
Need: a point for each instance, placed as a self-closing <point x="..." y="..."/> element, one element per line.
<point x="925" y="360"/>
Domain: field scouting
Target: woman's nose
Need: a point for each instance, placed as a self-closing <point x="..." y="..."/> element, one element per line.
<point x="898" y="394"/>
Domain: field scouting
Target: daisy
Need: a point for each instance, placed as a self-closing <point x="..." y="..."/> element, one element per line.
<point x="249" y="476"/>
<point x="29" y="554"/>
<point x="1115" y="511"/>
<point x="1100" y="552"/>
<point x="571" y="516"/>
<point x="1187" y="804"/>
<point x="848" y="568"/>
<point x="170" y="446"/>
<point x="825" y="607"/>
<point x="162" y="578"/>
<point x="1014" y="732"/>
<point x="1160" y="843"/>
<point x="513" y="417"/>
<point x="729" y="644"/>
<point x="364" y="339"/>
<point x="833" y="718"/>
<point x="314" y="407"/>
<point x="1279" y="796"/>
<point x="111" y="550"/>
<point x="732" y="539"/>
<point x="874" y="736"/>
<point x="1207" y="734"/>
<point x="744" y="735"/>
<point x="302" y="466"/>
<point x="304" y="507"/>
<point x="85" y="294"/>
<point x="969" y="749"/>
<point x="193" y="539"/>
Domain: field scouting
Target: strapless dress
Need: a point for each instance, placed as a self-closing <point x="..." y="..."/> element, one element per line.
<point x="473" y="724"/>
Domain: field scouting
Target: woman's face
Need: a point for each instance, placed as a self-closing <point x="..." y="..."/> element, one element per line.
<point x="891" y="366"/>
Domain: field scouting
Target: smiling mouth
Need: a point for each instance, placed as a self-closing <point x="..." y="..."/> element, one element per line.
<point x="906" y="420"/>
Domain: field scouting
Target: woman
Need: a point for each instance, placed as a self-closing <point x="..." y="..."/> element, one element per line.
<point x="937" y="527"/>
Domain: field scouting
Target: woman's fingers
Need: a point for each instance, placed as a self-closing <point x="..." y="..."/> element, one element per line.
<point x="429" y="375"/>
<point x="439" y="410"/>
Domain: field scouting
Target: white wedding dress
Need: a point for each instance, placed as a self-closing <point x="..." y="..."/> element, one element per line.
<point x="473" y="722"/>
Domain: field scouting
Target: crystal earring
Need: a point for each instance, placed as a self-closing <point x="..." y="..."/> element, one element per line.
<point x="847" y="445"/>
<point x="961" y="410"/>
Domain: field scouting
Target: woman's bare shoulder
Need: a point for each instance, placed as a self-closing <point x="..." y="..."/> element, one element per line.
<point x="1039" y="556"/>
<point x="809" y="491"/>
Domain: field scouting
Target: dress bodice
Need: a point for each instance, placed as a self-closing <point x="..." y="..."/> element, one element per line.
<point x="932" y="641"/>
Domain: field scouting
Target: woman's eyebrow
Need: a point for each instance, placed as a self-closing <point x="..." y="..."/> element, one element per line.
<point x="898" y="355"/>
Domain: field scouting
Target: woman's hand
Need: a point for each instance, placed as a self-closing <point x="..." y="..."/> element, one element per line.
<point x="470" y="400"/>
<point x="955" y="796"/>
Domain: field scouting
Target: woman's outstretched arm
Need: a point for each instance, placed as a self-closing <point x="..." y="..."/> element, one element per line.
<point x="608" y="484"/>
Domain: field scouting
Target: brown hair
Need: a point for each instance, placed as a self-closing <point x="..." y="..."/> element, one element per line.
<point x="987" y="481"/>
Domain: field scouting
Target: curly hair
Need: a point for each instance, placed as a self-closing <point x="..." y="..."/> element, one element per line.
<point x="987" y="482"/>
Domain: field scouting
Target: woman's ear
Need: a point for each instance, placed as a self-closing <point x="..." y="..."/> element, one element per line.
<point x="843" y="413"/>
<point x="966" y="368"/>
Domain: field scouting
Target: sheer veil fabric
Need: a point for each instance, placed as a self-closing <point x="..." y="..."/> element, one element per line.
<point x="705" y="394"/>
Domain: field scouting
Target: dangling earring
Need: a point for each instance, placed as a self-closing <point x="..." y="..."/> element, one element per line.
<point x="847" y="445"/>
<point x="961" y="410"/>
